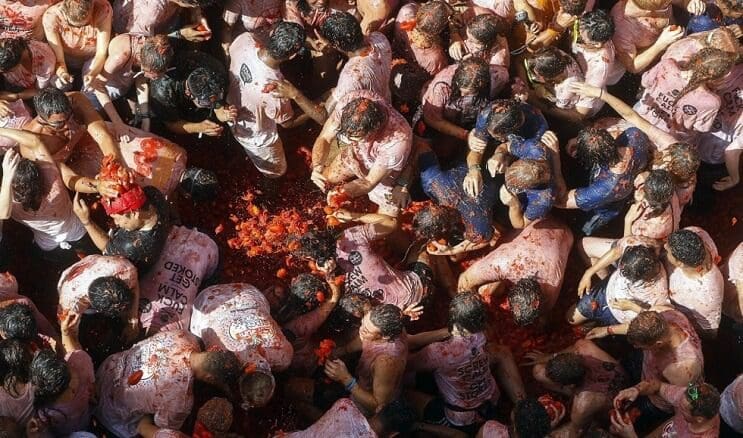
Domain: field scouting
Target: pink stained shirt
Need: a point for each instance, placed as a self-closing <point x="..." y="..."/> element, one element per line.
<point x="22" y="19"/>
<point x="678" y="426"/>
<point x="498" y="55"/>
<point x="373" y="351"/>
<point x="727" y="130"/>
<point x="369" y="71"/>
<point x="494" y="429"/>
<point x="165" y="388"/>
<point x="502" y="8"/>
<point x="655" y="362"/>
<point x="654" y="293"/>
<point x="541" y="250"/>
<point x="655" y="226"/>
<point x="77" y="42"/>
<point x="635" y="29"/>
<point x="566" y="99"/>
<point x="145" y="17"/>
<point x="66" y="417"/>
<point x="600" y="66"/>
<point x="343" y="419"/>
<point x="19" y="407"/>
<point x="694" y="111"/>
<point x="733" y="273"/>
<point x="258" y="112"/>
<point x="461" y="367"/>
<point x="75" y="281"/>
<point x="731" y="404"/>
<point x="431" y="59"/>
<point x="43" y="67"/>
<point x="237" y="317"/>
<point x="120" y="80"/>
<point x="17" y="120"/>
<point x="369" y="274"/>
<point x="253" y="14"/>
<point x="169" y="288"/>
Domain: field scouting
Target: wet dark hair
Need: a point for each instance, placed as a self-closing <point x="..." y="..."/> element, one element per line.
<point x="647" y="328"/>
<point x="205" y="84"/>
<point x="435" y="222"/>
<point x="216" y="415"/>
<point x="318" y="246"/>
<point x="303" y="292"/>
<point x="566" y="369"/>
<point x="467" y="311"/>
<point x="17" y="321"/>
<point x="254" y="385"/>
<point x="505" y="117"/>
<point x="471" y="73"/>
<point x="681" y="160"/>
<point x="598" y="25"/>
<point x="286" y="39"/>
<point x="15" y="359"/>
<point x="200" y="184"/>
<point x="486" y="28"/>
<point x="109" y="295"/>
<point x="388" y="318"/>
<point x="397" y="416"/>
<point x="407" y="80"/>
<point x="50" y="377"/>
<point x="527" y="174"/>
<point x="573" y="7"/>
<point x="639" y="263"/>
<point x="11" y="50"/>
<point x="223" y="368"/>
<point x="525" y="300"/>
<point x="348" y="312"/>
<point x="707" y="402"/>
<point x="28" y="185"/>
<point x="707" y="65"/>
<point x="432" y="17"/>
<point x="156" y="54"/>
<point x="687" y="247"/>
<point x="596" y="147"/>
<point x="549" y="62"/>
<point x="531" y="419"/>
<point x="659" y="189"/>
<point x="77" y="10"/>
<point x="50" y="101"/>
<point x="343" y="31"/>
<point x="362" y="116"/>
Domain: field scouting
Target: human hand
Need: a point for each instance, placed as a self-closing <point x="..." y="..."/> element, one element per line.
<point x="585" y="284"/>
<point x="626" y="396"/>
<point x="343" y="215"/>
<point x="70" y="325"/>
<point x="318" y="178"/>
<point x="584" y="89"/>
<point x="736" y="30"/>
<point x="696" y="7"/>
<point x="81" y="209"/>
<point x="472" y="183"/>
<point x="285" y="89"/>
<point x="64" y="76"/>
<point x="535" y="357"/>
<point x="724" y="184"/>
<point x="413" y="311"/>
<point x="400" y="196"/>
<point x="475" y="143"/>
<point x="196" y="32"/>
<point x="11" y="160"/>
<point x="131" y="331"/>
<point x="5" y="110"/>
<point x="457" y="50"/>
<point x="107" y="188"/>
<point x="226" y="114"/>
<point x="207" y="127"/>
<point x="622" y="426"/>
<point x="670" y="35"/>
<point x="497" y="164"/>
<point x="597" y="333"/>
<point x="550" y="140"/>
<point x="336" y="371"/>
<point x="506" y="197"/>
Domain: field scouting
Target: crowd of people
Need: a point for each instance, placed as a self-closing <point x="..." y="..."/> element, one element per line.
<point x="492" y="118"/>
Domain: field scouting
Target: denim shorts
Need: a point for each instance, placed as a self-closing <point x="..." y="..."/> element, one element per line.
<point x="593" y="305"/>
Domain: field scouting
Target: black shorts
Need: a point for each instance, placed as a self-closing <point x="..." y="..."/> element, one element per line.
<point x="434" y="413"/>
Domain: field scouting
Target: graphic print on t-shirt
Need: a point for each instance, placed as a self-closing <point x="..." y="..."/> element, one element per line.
<point x="245" y="74"/>
<point x="475" y="372"/>
<point x="356" y="280"/>
<point x="171" y="293"/>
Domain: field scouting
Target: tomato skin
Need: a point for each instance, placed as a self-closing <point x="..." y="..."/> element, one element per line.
<point x="135" y="377"/>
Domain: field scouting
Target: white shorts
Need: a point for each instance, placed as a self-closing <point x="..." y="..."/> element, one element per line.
<point x="268" y="157"/>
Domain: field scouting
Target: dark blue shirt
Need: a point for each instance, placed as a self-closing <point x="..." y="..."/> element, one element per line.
<point x="536" y="202"/>
<point x="711" y="19"/>
<point x="530" y="133"/>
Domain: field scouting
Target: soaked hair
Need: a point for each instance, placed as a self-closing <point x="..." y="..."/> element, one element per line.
<point x="681" y="160"/>
<point x="201" y="184"/>
<point x="525" y="300"/>
<point x="223" y="367"/>
<point x="435" y="222"/>
<point x="343" y="31"/>
<point x="303" y="292"/>
<point x="156" y="54"/>
<point x="17" y="321"/>
<point x="388" y="318"/>
<point x="687" y="247"/>
<point x="397" y="416"/>
<point x="527" y="174"/>
<point x="216" y="415"/>
<point x="723" y="37"/>
<point x="257" y="388"/>
<point x="286" y="40"/>
<point x="486" y="28"/>
<point x="348" y="312"/>
<point x="598" y="25"/>
<point x="407" y="80"/>
<point x="639" y="264"/>
<point x="28" y="185"/>
<point x="109" y="295"/>
<point x="50" y="101"/>
<point x="472" y="73"/>
<point x="362" y="116"/>
<point x="707" y="65"/>
<point x="505" y="117"/>
<point x="596" y="147"/>
<point x="205" y="83"/>
<point x="549" y="62"/>
<point x="50" y="377"/>
<point x="652" y="5"/>
<point x="530" y="419"/>
<point x="647" y="328"/>
<point x="573" y="7"/>
<point x="659" y="189"/>
<point x="11" y="50"/>
<point x="566" y="369"/>
<point x="467" y="311"/>
<point x="77" y="10"/>
<point x="15" y="359"/>
<point x="318" y="246"/>
<point x="432" y="17"/>
<point x="707" y="403"/>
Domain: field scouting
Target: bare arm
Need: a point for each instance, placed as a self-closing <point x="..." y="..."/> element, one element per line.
<point x="506" y="371"/>
<point x="97" y="129"/>
<point x="444" y="126"/>
<point x="55" y="42"/>
<point x="322" y="143"/>
<point x="362" y="186"/>
<point x="420" y="340"/>
<point x="387" y="371"/>
<point x="373" y="14"/>
<point x="103" y="37"/>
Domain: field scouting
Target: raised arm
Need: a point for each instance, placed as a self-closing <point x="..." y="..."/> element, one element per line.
<point x="383" y="224"/>
<point x="103" y="37"/>
<point x="97" y="129"/>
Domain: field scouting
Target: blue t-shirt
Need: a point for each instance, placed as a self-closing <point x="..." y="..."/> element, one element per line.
<point x="711" y="19"/>
<point x="530" y="133"/>
<point x="536" y="202"/>
<point x="445" y="187"/>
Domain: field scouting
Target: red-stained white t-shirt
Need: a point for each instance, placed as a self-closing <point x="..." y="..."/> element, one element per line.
<point x="19" y="117"/>
<point x="43" y="67"/>
<point x="22" y="19"/>
<point x="168" y="289"/>
<point x="494" y="429"/>
<point x="79" y="43"/>
<point x="733" y="273"/>
<point x="75" y="281"/>
<point x="600" y="66"/>
<point x="678" y="426"/>
<point x="19" y="407"/>
<point x="461" y="367"/>
<point x="370" y="71"/>
<point x="164" y="389"/>
<point x="432" y="59"/>
<point x="253" y="14"/>
<point x="655" y="226"/>
<point x="564" y="97"/>
<point x="343" y="419"/>
<point x="502" y="8"/>
<point x="541" y="249"/>
<point x="727" y="130"/>
<point x="74" y="414"/>
<point x="634" y="29"/>
<point x="237" y="317"/>
<point x="654" y="293"/>
<point x="144" y="17"/>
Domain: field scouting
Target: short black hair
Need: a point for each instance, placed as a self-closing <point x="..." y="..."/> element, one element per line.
<point x="223" y="368"/>
<point x="397" y="416"/>
<point x="549" y="62"/>
<point x="573" y="7"/>
<point x="362" y="116"/>
<point x="77" y="9"/>
<point x="303" y="292"/>
<point x="525" y="300"/>
<point x="319" y="246"/>
<point x="254" y="388"/>
<point x="343" y="31"/>
<point x="435" y="222"/>
<point x="687" y="247"/>
<point x="205" y="83"/>
<point x="109" y="295"/>
<point x="486" y="28"/>
<point x="348" y="312"/>
<point x="407" y="80"/>
<point x="388" y="318"/>
<point x="659" y="189"/>
<point x="505" y="117"/>
<point x="596" y="147"/>
<point x="639" y="263"/>
<point x="17" y="321"/>
<point x="566" y="369"/>
<point x="647" y="328"/>
<point x="11" y="50"/>
<point x="156" y="54"/>
<point x="15" y="359"/>
<point x="286" y="39"/>
<point x="50" y="101"/>
<point x="467" y="311"/>
<point x="49" y="375"/>
<point x="531" y="419"/>
<point x="598" y="25"/>
<point x="200" y="184"/>
<point x="707" y="402"/>
<point x="432" y="17"/>
<point x="28" y="185"/>
<point x="472" y="73"/>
